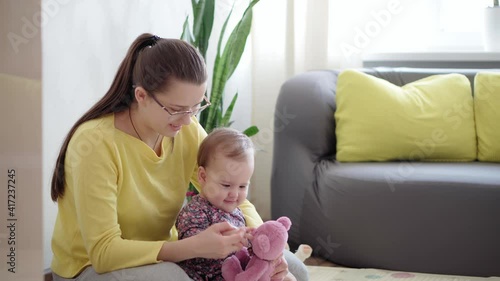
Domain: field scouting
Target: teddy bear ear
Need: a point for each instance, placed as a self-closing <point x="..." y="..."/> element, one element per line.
<point x="285" y="221"/>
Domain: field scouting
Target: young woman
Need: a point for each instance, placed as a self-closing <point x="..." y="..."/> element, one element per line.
<point x="123" y="170"/>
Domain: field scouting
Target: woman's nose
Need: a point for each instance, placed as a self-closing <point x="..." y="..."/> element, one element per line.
<point x="186" y="119"/>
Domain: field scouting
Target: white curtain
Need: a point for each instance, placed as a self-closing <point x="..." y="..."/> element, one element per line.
<point x="288" y="37"/>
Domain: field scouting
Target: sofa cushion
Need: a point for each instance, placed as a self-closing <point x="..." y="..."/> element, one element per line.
<point x="430" y="119"/>
<point x="487" y="115"/>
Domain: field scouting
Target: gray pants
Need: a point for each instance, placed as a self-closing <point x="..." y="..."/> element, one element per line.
<point x="167" y="271"/>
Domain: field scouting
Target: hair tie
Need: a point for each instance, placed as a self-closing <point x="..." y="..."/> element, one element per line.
<point x="150" y="42"/>
<point x="154" y="39"/>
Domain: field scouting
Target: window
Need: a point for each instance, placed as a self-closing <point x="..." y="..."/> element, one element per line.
<point x="460" y="24"/>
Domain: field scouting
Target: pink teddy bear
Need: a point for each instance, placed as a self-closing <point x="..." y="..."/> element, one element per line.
<point x="269" y="241"/>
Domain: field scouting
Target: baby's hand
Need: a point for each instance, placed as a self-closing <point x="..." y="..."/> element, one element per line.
<point x="248" y="235"/>
<point x="249" y="232"/>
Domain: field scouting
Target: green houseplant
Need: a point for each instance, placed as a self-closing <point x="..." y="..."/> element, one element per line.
<point x="226" y="60"/>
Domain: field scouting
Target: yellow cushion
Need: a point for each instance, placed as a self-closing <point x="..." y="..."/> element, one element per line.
<point x="430" y="119"/>
<point x="487" y="113"/>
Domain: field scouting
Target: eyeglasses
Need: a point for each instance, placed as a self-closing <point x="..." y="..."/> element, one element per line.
<point x="178" y="114"/>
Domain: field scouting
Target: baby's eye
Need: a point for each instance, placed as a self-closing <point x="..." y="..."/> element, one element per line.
<point x="243" y="186"/>
<point x="225" y="185"/>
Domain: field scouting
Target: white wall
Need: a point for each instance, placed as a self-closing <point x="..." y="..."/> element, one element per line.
<point x="84" y="42"/>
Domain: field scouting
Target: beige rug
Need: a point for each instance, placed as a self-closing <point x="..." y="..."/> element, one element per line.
<point x="323" y="273"/>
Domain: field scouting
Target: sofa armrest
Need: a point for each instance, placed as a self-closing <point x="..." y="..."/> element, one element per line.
<point x="304" y="133"/>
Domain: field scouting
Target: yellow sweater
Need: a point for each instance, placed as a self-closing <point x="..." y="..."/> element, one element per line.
<point x="121" y="200"/>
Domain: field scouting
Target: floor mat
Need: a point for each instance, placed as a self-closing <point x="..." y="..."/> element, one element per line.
<point x="321" y="273"/>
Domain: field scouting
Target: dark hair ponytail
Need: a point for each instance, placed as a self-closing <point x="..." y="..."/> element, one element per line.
<point x="150" y="62"/>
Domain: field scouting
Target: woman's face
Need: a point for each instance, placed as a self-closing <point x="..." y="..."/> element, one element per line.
<point x="225" y="181"/>
<point x="180" y="97"/>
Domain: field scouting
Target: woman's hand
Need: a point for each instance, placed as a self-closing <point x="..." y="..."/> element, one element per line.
<point x="247" y="237"/>
<point x="215" y="242"/>
<point x="281" y="270"/>
<point x="219" y="240"/>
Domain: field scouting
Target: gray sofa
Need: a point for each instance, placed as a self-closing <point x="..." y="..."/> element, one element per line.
<point x="439" y="218"/>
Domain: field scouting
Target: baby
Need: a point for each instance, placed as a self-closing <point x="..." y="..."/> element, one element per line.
<point x="226" y="163"/>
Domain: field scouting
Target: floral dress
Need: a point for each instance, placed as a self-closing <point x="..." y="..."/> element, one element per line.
<point x="195" y="217"/>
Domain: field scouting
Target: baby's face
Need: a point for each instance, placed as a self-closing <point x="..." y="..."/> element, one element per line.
<point x="225" y="181"/>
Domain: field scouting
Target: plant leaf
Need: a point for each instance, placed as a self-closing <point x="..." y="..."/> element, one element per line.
<point x="229" y="112"/>
<point x="227" y="63"/>
<point x="186" y="32"/>
<point x="205" y="28"/>
<point x="193" y="4"/>
<point x="218" y="118"/>
<point x="197" y="17"/>
<point x="216" y="94"/>
<point x="237" y="40"/>
<point x="203" y="116"/>
<point x="251" y="131"/>
<point x="223" y="30"/>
